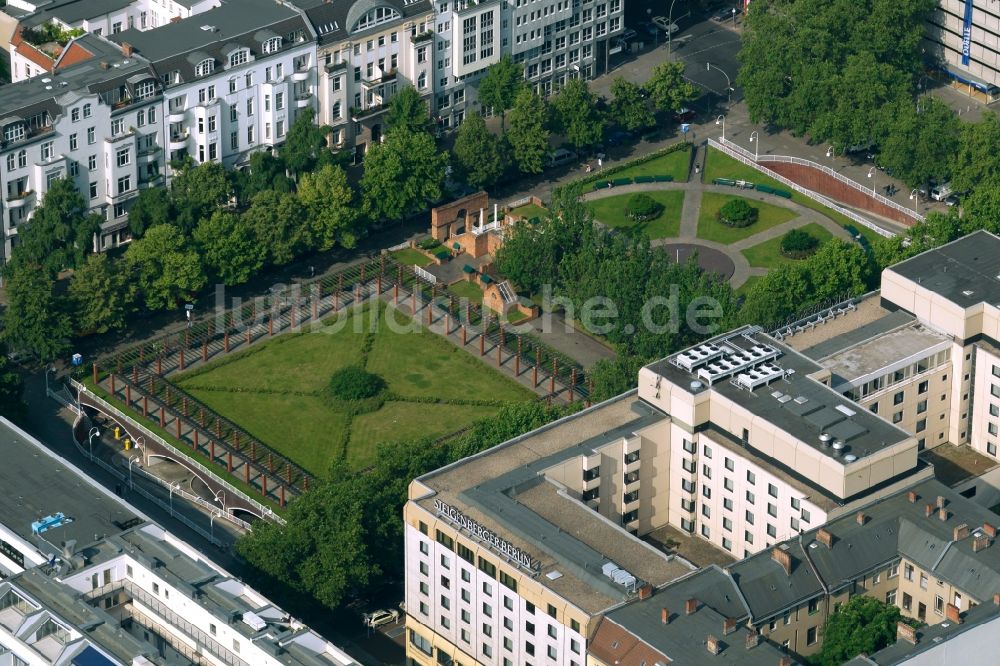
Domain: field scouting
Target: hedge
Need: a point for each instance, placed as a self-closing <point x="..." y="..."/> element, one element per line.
<point x="602" y="177"/>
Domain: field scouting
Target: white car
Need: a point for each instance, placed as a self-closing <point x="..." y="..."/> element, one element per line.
<point x="380" y="617"/>
<point x="663" y="23"/>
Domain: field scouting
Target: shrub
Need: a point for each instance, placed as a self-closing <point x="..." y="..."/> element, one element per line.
<point x="428" y="243"/>
<point x="642" y="207"/>
<point x="737" y="213"/>
<point x="798" y="244"/>
<point x="355" y="383"/>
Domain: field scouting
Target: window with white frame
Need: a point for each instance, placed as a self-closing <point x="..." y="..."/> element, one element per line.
<point x="13" y="132"/>
<point x="205" y="67"/>
<point x="272" y="45"/>
<point x="124" y="157"/>
<point x="238" y="57"/>
<point x="145" y="89"/>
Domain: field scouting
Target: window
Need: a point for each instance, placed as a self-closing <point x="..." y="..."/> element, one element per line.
<point x="93" y="190"/>
<point x="897" y="398"/>
<point x="591" y="474"/>
<point x="272" y="45"/>
<point x="250" y="137"/>
<point x="811" y="636"/>
<point x="91" y="162"/>
<point x="11" y="162"/>
<point x="75" y="115"/>
<point x="747" y="536"/>
<point x="238" y="57"/>
<point x="508" y="582"/>
<point x="923" y="581"/>
<point x="632" y="457"/>
<point x="813" y="606"/>
<point x="908" y="572"/>
<point x="751" y="477"/>
<point x="938" y="604"/>
<point x="86" y="110"/>
<point x="705" y="532"/>
<point x="145" y="89"/>
<point x="897" y="417"/>
<point x="991" y="448"/>
<point x="706" y="451"/>
<point x="921" y="407"/>
<point x="727" y="524"/>
<point x="805" y="516"/>
<point x="124" y="184"/>
<point x="750" y="497"/>
<point x="772" y="510"/>
<point x="47" y="150"/>
<point x="907" y="601"/>
<point x="688" y="446"/>
<point x="772" y="490"/>
<point x="749" y="517"/>
<point x="730" y="464"/>
<point x="890" y="597"/>
<point x="487" y="568"/>
<point x="279" y="101"/>
<point x="204" y="68"/>
<point x="706" y="511"/>
<point x="772" y="531"/>
<point x="922" y="425"/>
<point x="124" y="156"/>
<point x="727" y="504"/>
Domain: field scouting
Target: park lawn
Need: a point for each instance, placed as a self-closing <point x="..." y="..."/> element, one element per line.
<point x="528" y="211"/>
<point x="720" y="165"/>
<point x="301" y="427"/>
<point x="675" y="164"/>
<point x="469" y="290"/>
<point x="711" y="229"/>
<point x="398" y="421"/>
<point x="611" y="212"/>
<point x="411" y="257"/>
<point x="744" y="288"/>
<point x="768" y="254"/>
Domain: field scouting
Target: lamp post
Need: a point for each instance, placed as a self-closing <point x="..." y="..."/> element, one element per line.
<point x="830" y="152"/>
<point x="729" y="84"/>
<point x="173" y="487"/>
<point x="49" y="369"/>
<point x="915" y="197"/>
<point x="656" y="30"/>
<point x="94" y="432"/>
<point x="871" y="174"/>
<point x="721" y="120"/>
<point x="131" y="460"/>
<point x="670" y="27"/>
<point x="755" y="140"/>
<point x="211" y="525"/>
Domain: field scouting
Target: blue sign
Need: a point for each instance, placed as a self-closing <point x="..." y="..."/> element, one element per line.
<point x="77" y="359"/>
<point x="967" y="33"/>
<point x="685" y="128"/>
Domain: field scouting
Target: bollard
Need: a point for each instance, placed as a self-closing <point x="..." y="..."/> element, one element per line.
<point x="225" y="341"/>
<point x="112" y="377"/>
<point x="552" y="379"/>
<point x="204" y="351"/>
<point x="281" y="497"/>
<point x="229" y="462"/>
<point x="182" y="359"/>
<point x="94" y="366"/>
<point x="145" y="406"/>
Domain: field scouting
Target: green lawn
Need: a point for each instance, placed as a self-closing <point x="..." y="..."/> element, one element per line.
<point x="711" y="229"/>
<point x="768" y="254"/>
<point x="720" y="165"/>
<point x="674" y="164"/>
<point x="276" y="390"/>
<point x="411" y="257"/>
<point x="611" y="211"/>
<point x="528" y="211"/>
<point x="469" y="290"/>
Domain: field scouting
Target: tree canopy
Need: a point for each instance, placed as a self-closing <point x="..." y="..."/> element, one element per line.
<point x="478" y="157"/>
<point x="501" y="85"/>
<point x="408" y="111"/>
<point x="101" y="295"/>
<point x="229" y="247"/>
<point x="668" y="88"/>
<point x="305" y="145"/>
<point x="36" y="320"/>
<point x="61" y="231"/>
<point x="628" y="107"/>
<point x="528" y="134"/>
<point x="164" y="267"/>
<point x="150" y="208"/>
<point x="196" y="191"/>
<point x="402" y="174"/>
<point x="863" y="625"/>
<point x="576" y="114"/>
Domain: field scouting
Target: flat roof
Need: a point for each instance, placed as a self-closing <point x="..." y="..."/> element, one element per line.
<point x="791" y="400"/>
<point x="39" y="484"/>
<point x="505" y="490"/>
<point x="965" y="271"/>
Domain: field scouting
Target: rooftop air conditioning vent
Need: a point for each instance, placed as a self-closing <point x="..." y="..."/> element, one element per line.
<point x="968" y="292"/>
<point x="845" y="410"/>
<point x="696" y="386"/>
<point x="838" y="447"/>
<point x="801" y="400"/>
<point x="850" y="457"/>
<point x="208" y="28"/>
<point x="554" y="575"/>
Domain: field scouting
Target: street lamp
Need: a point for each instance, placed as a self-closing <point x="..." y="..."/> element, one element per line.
<point x="755" y="140"/>
<point x="734" y="17"/>
<point x="670" y="27"/>
<point x="94" y="432"/>
<point x="211" y="524"/>
<point x="656" y="30"/>
<point x="173" y="487"/>
<point x="729" y="84"/>
<point x="131" y="460"/>
<point x="829" y="151"/>
<point x="871" y="175"/>
<point x="721" y="120"/>
<point x="915" y="197"/>
<point x="49" y="369"/>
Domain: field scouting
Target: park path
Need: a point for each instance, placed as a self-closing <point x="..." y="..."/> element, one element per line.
<point x="691" y="211"/>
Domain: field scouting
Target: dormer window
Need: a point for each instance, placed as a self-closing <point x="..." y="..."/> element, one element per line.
<point x="13" y="132"/>
<point x="239" y="57"/>
<point x="376" y="16"/>
<point x="145" y="89"/>
<point x="272" y="45"/>
<point x="205" y="67"/>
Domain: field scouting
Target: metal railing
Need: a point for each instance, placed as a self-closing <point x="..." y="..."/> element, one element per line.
<point x="181" y="456"/>
<point x="815" y="196"/>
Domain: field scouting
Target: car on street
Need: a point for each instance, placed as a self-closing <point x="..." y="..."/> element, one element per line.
<point x="561" y="156"/>
<point x="726" y="14"/>
<point x="628" y="35"/>
<point x="618" y="137"/>
<point x="663" y="23"/>
<point x="951" y="201"/>
<point x="380" y="617"/>
<point x="684" y="115"/>
<point x="650" y="29"/>
<point x="941" y="192"/>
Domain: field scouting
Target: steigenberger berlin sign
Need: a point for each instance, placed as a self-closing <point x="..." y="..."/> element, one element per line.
<point x="483" y="534"/>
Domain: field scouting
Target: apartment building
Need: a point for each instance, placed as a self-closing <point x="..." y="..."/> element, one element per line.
<point x="366" y="53"/>
<point x="922" y="351"/>
<point x="88" y="580"/>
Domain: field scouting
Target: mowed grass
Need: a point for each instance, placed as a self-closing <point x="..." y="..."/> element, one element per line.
<point x="411" y="257"/>
<point x="720" y="165"/>
<point x="711" y="229"/>
<point x="528" y="211"/>
<point x="768" y="254"/>
<point x="277" y="391"/>
<point x="675" y="164"/>
<point x="469" y="290"/>
<point x="611" y="212"/>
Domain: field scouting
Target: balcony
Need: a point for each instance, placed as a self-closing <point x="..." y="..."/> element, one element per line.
<point x="300" y="75"/>
<point x="178" y="140"/>
<point x="422" y="37"/>
<point x="19" y="200"/>
<point x="386" y="77"/>
<point x="358" y="114"/>
<point x="335" y="66"/>
<point x="176" y="115"/>
<point x="302" y="99"/>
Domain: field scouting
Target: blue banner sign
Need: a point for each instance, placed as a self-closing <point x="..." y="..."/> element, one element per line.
<point x="967" y="33"/>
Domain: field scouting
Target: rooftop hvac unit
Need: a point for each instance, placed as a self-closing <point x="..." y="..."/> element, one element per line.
<point x="254" y="621"/>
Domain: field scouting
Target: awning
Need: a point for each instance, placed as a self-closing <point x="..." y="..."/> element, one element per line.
<point x="971" y="80"/>
<point x="468" y="269"/>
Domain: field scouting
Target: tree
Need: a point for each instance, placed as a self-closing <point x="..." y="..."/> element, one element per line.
<point x="408" y="111"/>
<point x="777" y="296"/>
<point x="35" y="320"/>
<point x="981" y="209"/>
<point x="151" y="207"/>
<point x="798" y="244"/>
<point x="611" y="377"/>
<point x="100" y="294"/>
<point x="330" y="204"/>
<point x="279" y="224"/>
<point x="840" y="268"/>
<point x="60" y="233"/>
<point x="305" y="144"/>
<point x="919" y="145"/>
<point x="628" y="107"/>
<point x="11" y="387"/>
<point x="197" y="191"/>
<point x="478" y="157"/>
<point x="500" y="87"/>
<point x="164" y="268"/>
<point x="528" y="135"/>
<point x="267" y="172"/>
<point x="576" y="114"/>
<point x="402" y="174"/>
<point x="863" y="625"/>
<point x="977" y="159"/>
<point x="668" y="88"/>
<point x="229" y="247"/>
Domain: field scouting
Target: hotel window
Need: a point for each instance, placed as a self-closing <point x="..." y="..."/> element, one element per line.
<point x="992" y="428"/>
<point x="706" y="451"/>
<point x="897" y="417"/>
<point x="730" y="464"/>
<point x="706" y="471"/>
<point x="445" y="602"/>
<point x="994" y="410"/>
<point x="705" y="511"/>
<point x="424" y="569"/>
<point x="747" y="536"/>
<point x="751" y="477"/>
<point x="728" y="484"/>
<point x="991" y="448"/>
<point x="707" y="492"/>
<point x="750" y="497"/>
<point x="922" y="387"/>
<point x="551" y="610"/>
<point x="921" y="407"/>
<point x="727" y="504"/>
<point x="772" y="490"/>
<point x="922" y="425"/>
<point x="445" y="561"/>
<point x="487" y="568"/>
<point x="897" y="398"/>
<point x="445" y="540"/>
<point x="688" y="446"/>
<point x="772" y="531"/>
<point x="805" y="516"/>
<point x="772" y="510"/>
<point x="508" y="582"/>
<point x="466" y="554"/>
<point x="727" y="524"/>
<point x="632" y="457"/>
<point x="591" y="474"/>
<point x="749" y="517"/>
<point x="873" y="408"/>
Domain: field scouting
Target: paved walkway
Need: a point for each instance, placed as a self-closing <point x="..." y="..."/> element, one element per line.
<point x="691" y="210"/>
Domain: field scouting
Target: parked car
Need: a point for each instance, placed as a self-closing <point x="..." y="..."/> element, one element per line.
<point x="380" y="617"/>
<point x="684" y="115"/>
<point x="941" y="192"/>
<point x="726" y="14"/>
<point x="951" y="201"/>
<point x="561" y="156"/>
<point x="650" y="29"/>
<point x="628" y="35"/>
<point x="618" y="137"/>
<point x="663" y="23"/>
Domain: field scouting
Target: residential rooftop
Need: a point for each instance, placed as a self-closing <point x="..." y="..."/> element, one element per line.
<point x="505" y="490"/>
<point x="965" y="271"/>
<point x="333" y="20"/>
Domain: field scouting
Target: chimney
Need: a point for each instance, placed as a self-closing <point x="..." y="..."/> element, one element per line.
<point x="912" y="496"/>
<point x="665" y="616"/>
<point x="69" y="548"/>
<point x="712" y="643"/>
<point x="951" y="612"/>
<point x="861" y="518"/>
<point x="782" y="558"/>
<point x="785" y="661"/>
<point x="105" y="65"/>
<point x="928" y="510"/>
<point x="981" y="542"/>
<point x="906" y="633"/>
<point x="996" y="599"/>
<point x="943" y="514"/>
<point x="127" y="50"/>
<point x="753" y="638"/>
<point x="940" y="501"/>
<point x="728" y="626"/>
<point x="960" y="532"/>
<point x="646" y="591"/>
<point x="824" y="537"/>
<point x="690" y="606"/>
<point x="990" y="530"/>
